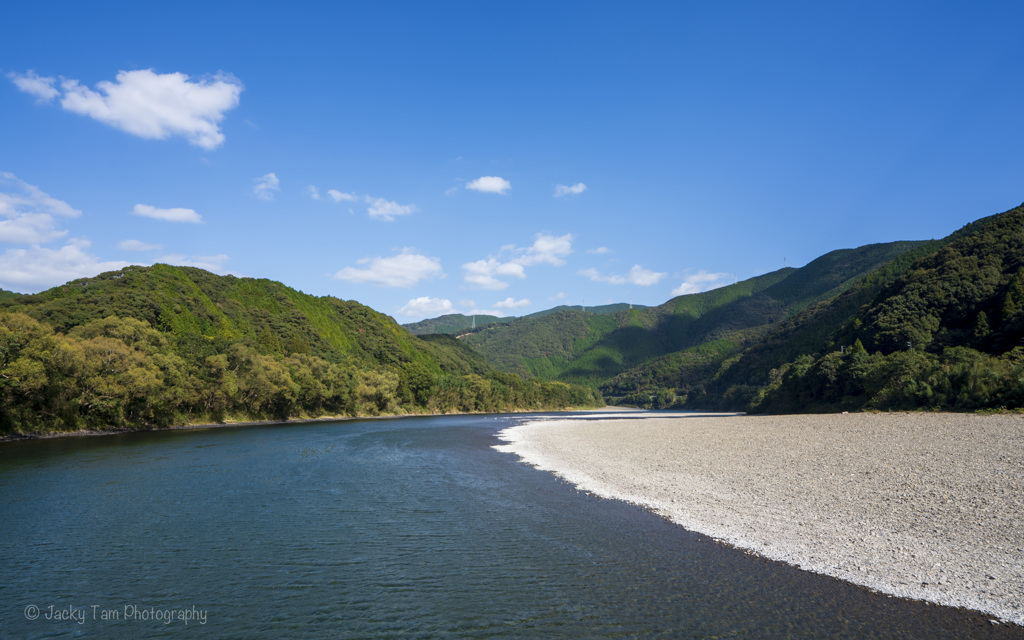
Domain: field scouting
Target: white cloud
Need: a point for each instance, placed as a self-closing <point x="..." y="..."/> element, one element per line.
<point x="403" y="270"/>
<point x="558" y="296"/>
<point x="575" y="190"/>
<point x="21" y="197"/>
<point x="27" y="213"/>
<point x="41" y="88"/>
<point x="210" y="263"/>
<point x="148" y="104"/>
<point x="387" y="210"/>
<point x="644" y="277"/>
<point x="547" y="250"/>
<point x="170" y="215"/>
<point x="379" y="208"/>
<point x="426" y="306"/>
<point x="490" y="184"/>
<point x="338" y="196"/>
<point x="482" y="273"/>
<point x="313" y="192"/>
<point x="38" y="268"/>
<point x="702" y="281"/>
<point x="599" y="250"/>
<point x="512" y="303"/>
<point x="30" y="228"/>
<point x="137" y="245"/>
<point x="266" y="186"/>
<point x="637" y="275"/>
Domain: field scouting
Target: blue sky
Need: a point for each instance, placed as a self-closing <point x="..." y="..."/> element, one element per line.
<point x="428" y="158"/>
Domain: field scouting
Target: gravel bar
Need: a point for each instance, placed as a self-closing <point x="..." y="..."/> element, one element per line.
<point x="928" y="506"/>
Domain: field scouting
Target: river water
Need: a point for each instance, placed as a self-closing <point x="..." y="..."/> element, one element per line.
<point x="404" y="528"/>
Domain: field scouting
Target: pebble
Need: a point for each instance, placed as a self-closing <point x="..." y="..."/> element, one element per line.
<point x="938" y="495"/>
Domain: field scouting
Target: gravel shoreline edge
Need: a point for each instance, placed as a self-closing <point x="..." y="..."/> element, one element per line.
<point x="921" y="506"/>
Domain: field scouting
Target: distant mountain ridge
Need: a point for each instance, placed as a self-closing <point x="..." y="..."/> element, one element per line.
<point x="457" y="323"/>
<point x="592" y="349"/>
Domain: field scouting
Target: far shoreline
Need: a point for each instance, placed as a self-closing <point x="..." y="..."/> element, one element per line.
<point x="88" y="433"/>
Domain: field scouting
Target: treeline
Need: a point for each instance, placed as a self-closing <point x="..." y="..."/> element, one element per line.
<point x="120" y="372"/>
<point x="632" y="352"/>
<point x="956" y="379"/>
<point x="939" y="327"/>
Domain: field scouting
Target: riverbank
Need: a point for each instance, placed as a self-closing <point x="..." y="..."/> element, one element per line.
<point x="924" y="506"/>
<point x="253" y="423"/>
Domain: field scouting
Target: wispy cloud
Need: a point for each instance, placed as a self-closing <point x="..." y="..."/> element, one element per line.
<point x="377" y="208"/>
<point x="137" y="245"/>
<point x="338" y="196"/>
<point x="147" y="104"/>
<point x="702" y="281"/>
<point x="170" y="215"/>
<point x="402" y="270"/>
<point x="313" y="192"/>
<point x="28" y="214"/>
<point x="386" y="210"/>
<point x="490" y="184"/>
<point x="512" y="304"/>
<point x="38" y="268"/>
<point x="599" y="251"/>
<point x="485" y="273"/>
<point x="637" y="275"/>
<point x="562" y="190"/>
<point x="546" y="249"/>
<point x="426" y="306"/>
<point x="266" y="185"/>
<point x="32" y="84"/>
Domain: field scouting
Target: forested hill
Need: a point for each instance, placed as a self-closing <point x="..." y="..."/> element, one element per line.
<point x="941" y="327"/>
<point x="162" y="345"/>
<point x="456" y="323"/>
<point x="593" y="349"/>
<point x="451" y="324"/>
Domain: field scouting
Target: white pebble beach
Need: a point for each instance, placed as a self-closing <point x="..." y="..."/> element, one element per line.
<point x="928" y="506"/>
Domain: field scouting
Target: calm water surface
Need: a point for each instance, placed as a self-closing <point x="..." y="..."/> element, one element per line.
<point x="411" y="528"/>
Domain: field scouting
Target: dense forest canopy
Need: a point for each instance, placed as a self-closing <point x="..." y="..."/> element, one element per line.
<point x="457" y="323"/>
<point x="594" y="350"/>
<point x="162" y="345"/>
<point x="934" y="324"/>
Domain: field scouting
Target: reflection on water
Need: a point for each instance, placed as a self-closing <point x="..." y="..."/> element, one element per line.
<point x="411" y="528"/>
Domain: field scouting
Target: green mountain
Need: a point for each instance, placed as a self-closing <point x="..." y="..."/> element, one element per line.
<point x="161" y="345"/>
<point x="452" y="324"/>
<point x="705" y="327"/>
<point x="943" y="332"/>
<point x="938" y="327"/>
<point x="601" y="309"/>
<point x="456" y="323"/>
<point x="4" y="295"/>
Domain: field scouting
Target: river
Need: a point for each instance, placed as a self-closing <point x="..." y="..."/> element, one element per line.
<point x="400" y="528"/>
